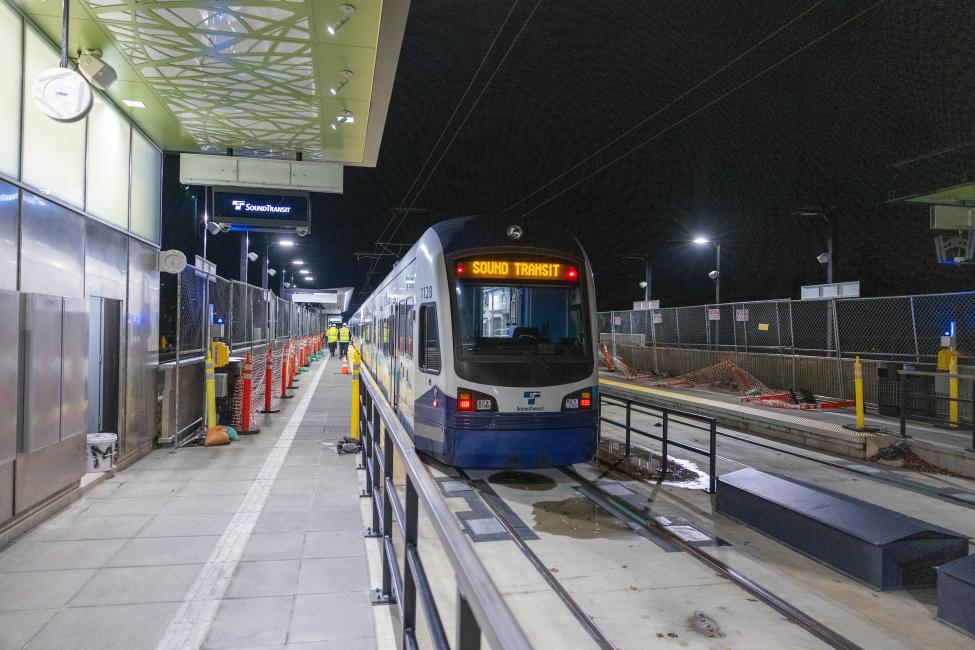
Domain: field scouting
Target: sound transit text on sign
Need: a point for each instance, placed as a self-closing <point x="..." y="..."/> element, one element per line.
<point x="516" y="270"/>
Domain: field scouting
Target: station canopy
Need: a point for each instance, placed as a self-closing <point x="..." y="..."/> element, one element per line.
<point x="255" y="76"/>
<point x="331" y="301"/>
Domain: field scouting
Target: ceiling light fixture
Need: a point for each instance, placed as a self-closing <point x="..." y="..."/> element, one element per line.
<point x="297" y="262"/>
<point x="286" y="242"/>
<point x="133" y="103"/>
<point x="347" y="11"/>
<point x="345" y="117"/>
<point x="309" y="278"/>
<point x="345" y="76"/>
<point x="304" y="271"/>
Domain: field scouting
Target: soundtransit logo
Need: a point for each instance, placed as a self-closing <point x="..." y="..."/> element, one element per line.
<point x="530" y="397"/>
<point x="240" y="205"/>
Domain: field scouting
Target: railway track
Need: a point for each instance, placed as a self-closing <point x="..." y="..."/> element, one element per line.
<point x="647" y="528"/>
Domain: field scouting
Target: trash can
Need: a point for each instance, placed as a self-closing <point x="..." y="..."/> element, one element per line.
<point x="101" y="451"/>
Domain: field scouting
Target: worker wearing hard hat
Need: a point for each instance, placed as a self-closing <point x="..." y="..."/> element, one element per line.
<point x="344" y="337"/>
<point x="333" y="338"/>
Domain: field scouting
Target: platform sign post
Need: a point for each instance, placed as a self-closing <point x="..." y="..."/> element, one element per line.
<point x="953" y="391"/>
<point x="211" y="392"/>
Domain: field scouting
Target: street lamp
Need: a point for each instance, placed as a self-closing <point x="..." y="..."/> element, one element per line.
<point x="646" y="284"/>
<point x="826" y="214"/>
<point x="715" y="275"/>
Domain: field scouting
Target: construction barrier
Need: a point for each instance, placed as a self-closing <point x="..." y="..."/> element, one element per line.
<point x="247" y="387"/>
<point x="269" y="366"/>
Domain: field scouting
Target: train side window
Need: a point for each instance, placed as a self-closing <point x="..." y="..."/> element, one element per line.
<point x="429" y="339"/>
<point x="410" y="321"/>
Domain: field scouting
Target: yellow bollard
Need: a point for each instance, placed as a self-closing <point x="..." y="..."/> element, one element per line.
<point x="953" y="390"/>
<point x="354" y="420"/>
<point x="211" y="393"/>
<point x="858" y="389"/>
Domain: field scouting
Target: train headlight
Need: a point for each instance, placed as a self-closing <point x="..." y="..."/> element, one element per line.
<point x="579" y="400"/>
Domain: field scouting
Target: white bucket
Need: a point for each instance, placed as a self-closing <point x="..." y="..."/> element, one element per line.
<point x="101" y="451"/>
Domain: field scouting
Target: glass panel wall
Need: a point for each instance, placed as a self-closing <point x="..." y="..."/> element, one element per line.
<point x="146" y="187"/>
<point x="108" y="164"/>
<point x="10" y="89"/>
<point x="53" y="152"/>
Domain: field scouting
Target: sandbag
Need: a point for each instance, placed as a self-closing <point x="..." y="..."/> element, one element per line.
<point x="216" y="436"/>
<point x="232" y="434"/>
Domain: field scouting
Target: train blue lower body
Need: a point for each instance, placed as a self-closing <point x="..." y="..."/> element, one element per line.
<point x="513" y="441"/>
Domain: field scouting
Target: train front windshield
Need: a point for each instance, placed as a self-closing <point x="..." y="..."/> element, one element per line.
<point x="522" y="334"/>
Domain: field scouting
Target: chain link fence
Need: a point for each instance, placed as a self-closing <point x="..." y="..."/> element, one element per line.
<point x="248" y="319"/>
<point x="799" y="343"/>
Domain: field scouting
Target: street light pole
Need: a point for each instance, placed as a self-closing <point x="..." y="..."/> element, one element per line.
<point x="647" y="274"/>
<point x="717" y="267"/>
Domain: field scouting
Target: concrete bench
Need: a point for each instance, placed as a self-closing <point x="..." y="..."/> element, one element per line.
<point x="883" y="548"/>
<point x="956" y="593"/>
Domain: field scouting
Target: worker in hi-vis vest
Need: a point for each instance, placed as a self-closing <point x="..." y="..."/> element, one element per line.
<point x="344" y="336"/>
<point x="333" y="338"/>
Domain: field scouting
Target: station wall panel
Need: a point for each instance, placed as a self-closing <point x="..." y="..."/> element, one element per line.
<point x="106" y="261"/>
<point x="11" y="31"/>
<point x="9" y="208"/>
<point x="146" y="188"/>
<point x="53" y="153"/>
<point x="52" y="249"/>
<point x="107" y="175"/>
<point x="9" y="397"/>
<point x="142" y="347"/>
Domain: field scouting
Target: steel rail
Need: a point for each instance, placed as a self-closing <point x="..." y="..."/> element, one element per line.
<point x="783" y="607"/>
<point x="580" y="615"/>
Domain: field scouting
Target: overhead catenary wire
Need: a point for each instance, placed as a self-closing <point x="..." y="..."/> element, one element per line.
<point x="440" y="138"/>
<point x="705" y="106"/>
<point x="663" y="108"/>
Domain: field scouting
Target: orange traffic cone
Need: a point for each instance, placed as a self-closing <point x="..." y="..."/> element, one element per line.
<point x="345" y="365"/>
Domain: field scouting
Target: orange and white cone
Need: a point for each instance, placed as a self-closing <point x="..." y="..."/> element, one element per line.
<point x="345" y="365"/>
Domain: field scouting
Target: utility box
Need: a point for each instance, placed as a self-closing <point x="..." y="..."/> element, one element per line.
<point x="920" y="390"/>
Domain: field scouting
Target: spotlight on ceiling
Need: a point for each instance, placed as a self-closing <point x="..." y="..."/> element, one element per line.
<point x="345" y="76"/>
<point x="345" y="117"/>
<point x="252" y="256"/>
<point x="100" y="74"/>
<point x="347" y="11"/>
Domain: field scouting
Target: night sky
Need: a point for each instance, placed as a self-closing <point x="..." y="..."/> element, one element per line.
<point x="822" y="128"/>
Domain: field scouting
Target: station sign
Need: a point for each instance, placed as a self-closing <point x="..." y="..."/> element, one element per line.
<point x="248" y="209"/>
<point x="505" y="269"/>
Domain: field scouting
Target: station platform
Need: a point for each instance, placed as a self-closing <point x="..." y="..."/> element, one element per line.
<point x="821" y="430"/>
<point x="255" y="544"/>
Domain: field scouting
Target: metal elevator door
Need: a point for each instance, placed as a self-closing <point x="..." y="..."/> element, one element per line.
<point x="103" y="364"/>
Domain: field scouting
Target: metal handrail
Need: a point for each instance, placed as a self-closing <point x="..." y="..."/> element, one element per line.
<point x="481" y="608"/>
<point x="665" y="415"/>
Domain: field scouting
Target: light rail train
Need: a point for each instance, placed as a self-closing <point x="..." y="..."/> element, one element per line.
<point x="482" y="337"/>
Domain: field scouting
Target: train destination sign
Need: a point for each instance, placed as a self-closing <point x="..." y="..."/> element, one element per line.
<point x="516" y="270"/>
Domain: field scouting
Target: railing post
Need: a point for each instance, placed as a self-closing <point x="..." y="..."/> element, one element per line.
<point x="663" y="444"/>
<point x="409" y="584"/>
<point x="713" y="457"/>
<point x="384" y="595"/>
<point x="468" y="630"/>
<point x="628" y="410"/>
<point x="903" y="396"/>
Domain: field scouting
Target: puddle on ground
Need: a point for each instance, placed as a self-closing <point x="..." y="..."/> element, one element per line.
<point x="522" y="480"/>
<point x="578" y="518"/>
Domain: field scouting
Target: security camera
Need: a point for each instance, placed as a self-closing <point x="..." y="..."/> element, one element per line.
<point x="272" y="272"/>
<point x="303" y="231"/>
<point x="252" y="256"/>
<point x="714" y="275"/>
<point x="823" y="258"/>
<point x="213" y="227"/>
<point x="643" y="285"/>
<point x="100" y="74"/>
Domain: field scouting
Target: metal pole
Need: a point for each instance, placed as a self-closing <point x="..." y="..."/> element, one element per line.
<point x="713" y="458"/>
<point x="265" y="267"/>
<point x="648" y="277"/>
<point x="829" y="250"/>
<point x="628" y="411"/>
<point x="917" y="349"/>
<point x="64" y="32"/>
<point x="717" y="267"/>
<point x="179" y="317"/>
<point x="663" y="446"/>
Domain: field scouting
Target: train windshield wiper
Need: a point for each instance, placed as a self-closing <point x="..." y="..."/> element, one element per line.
<point x="533" y="358"/>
